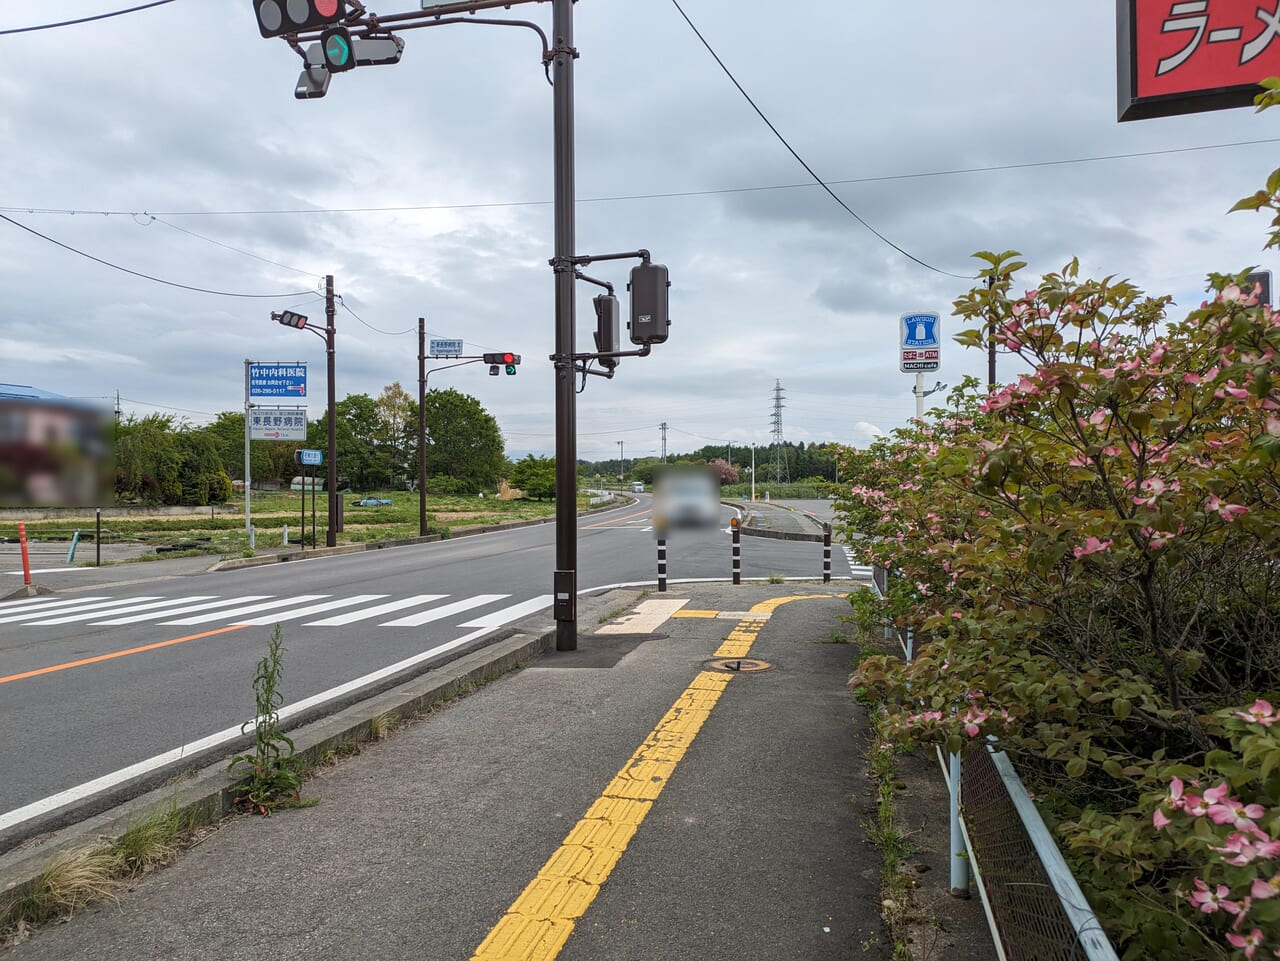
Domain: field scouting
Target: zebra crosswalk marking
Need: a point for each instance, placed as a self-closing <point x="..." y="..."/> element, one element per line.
<point x="371" y="612"/>
<point x="508" y="614"/>
<point x="157" y="615"/>
<point x="231" y="615"/>
<point x="149" y="605"/>
<point x="79" y="604"/>
<point x="436" y="613"/>
<point x="257" y="609"/>
<point x="312" y="609"/>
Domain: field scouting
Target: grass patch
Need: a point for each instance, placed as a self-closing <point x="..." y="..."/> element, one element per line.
<point x="616" y="612"/>
<point x="835" y="637"/>
<point x="776" y="579"/>
<point x="896" y="893"/>
<point x="76" y="879"/>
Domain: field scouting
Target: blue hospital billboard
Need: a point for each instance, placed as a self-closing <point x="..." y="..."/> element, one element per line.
<point x="278" y="380"/>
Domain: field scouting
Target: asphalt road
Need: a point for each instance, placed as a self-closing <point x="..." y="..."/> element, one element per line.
<point x="98" y="687"/>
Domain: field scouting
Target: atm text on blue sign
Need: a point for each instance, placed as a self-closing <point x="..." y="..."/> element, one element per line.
<point x="277" y="380"/>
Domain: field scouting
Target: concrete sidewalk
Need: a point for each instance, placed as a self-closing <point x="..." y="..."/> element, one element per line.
<point x="645" y="797"/>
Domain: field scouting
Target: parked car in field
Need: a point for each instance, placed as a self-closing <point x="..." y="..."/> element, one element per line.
<point x="373" y="502"/>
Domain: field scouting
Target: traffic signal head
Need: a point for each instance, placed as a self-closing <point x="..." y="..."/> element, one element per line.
<point x="290" y="319"/>
<point x="607" y="328"/>
<point x="339" y="51"/>
<point x="505" y="359"/>
<point x="649" y="321"/>
<point x="279" y="17"/>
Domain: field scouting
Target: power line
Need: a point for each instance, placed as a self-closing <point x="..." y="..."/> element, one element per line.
<point x="135" y="273"/>
<point x="662" y="195"/>
<point x="378" y="330"/>
<point x="219" y="243"/>
<point x="72" y="23"/>
<point x="809" y="170"/>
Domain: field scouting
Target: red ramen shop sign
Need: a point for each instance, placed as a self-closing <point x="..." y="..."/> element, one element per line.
<point x="1188" y="56"/>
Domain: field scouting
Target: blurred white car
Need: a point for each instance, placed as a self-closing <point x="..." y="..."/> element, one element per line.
<point x="687" y="497"/>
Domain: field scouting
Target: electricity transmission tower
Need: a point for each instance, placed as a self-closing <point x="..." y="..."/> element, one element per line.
<point x="778" y="472"/>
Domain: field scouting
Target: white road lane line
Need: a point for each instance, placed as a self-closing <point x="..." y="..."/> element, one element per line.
<point x="81" y="791"/>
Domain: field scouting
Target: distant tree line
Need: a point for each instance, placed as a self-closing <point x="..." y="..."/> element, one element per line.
<point x="161" y="459"/>
<point x="812" y="463"/>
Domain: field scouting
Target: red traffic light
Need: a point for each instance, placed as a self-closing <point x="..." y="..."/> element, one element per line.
<point x="279" y="17"/>
<point x="290" y="319"/>
<point x="508" y="358"/>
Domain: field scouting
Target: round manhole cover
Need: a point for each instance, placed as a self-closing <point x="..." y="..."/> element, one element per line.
<point x="738" y="665"/>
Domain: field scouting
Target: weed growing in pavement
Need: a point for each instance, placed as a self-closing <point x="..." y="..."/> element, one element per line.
<point x="274" y="773"/>
<point x="380" y="727"/>
<point x="776" y="579"/>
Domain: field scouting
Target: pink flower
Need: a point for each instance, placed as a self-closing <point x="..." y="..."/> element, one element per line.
<point x="1261" y="712"/>
<point x="1245" y="849"/>
<point x="1211" y="900"/>
<point x="1160" y="819"/>
<point x="1232" y="811"/>
<point x="1250" y="942"/>
<point x="1191" y="378"/>
<point x="1228" y="512"/>
<point x="1092" y="546"/>
<point x="1265" y="889"/>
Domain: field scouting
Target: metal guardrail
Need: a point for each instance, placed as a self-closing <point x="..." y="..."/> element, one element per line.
<point x="1033" y="902"/>
<point x="1034" y="907"/>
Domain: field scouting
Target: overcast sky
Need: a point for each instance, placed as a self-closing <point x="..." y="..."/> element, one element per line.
<point x="180" y="121"/>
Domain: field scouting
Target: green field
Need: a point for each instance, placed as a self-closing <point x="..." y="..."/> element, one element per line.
<point x="221" y="530"/>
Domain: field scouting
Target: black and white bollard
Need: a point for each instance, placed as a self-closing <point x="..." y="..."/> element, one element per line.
<point x="737" y="551"/>
<point x="662" y="561"/>
<point x="826" y="553"/>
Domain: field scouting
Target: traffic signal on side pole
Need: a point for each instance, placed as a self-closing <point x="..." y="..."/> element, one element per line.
<point x="505" y="359"/>
<point x="649" y="321"/>
<point x="279" y="17"/>
<point x="607" y="329"/>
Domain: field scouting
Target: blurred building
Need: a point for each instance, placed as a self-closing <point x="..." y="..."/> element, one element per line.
<point x="54" y="451"/>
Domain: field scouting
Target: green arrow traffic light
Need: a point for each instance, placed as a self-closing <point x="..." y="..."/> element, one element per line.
<point x="336" y="44"/>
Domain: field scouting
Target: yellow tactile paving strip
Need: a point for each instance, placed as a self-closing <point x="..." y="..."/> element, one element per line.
<point x="539" y="922"/>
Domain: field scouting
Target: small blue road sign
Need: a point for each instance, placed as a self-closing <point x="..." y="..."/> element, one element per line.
<point x="310" y="458"/>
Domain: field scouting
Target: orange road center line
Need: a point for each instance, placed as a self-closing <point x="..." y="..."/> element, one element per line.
<point x="614" y="520"/>
<point x="539" y="922"/>
<point x="54" y="668"/>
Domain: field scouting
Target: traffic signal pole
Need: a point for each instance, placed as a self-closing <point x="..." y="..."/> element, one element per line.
<point x="331" y="534"/>
<point x="565" y="580"/>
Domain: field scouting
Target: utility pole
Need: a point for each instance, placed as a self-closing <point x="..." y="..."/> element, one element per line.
<point x="331" y="535"/>
<point x="991" y="348"/>
<point x="422" y="427"/>
<point x="663" y="428"/>
<point x="622" y="461"/>
<point x="565" y="581"/>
